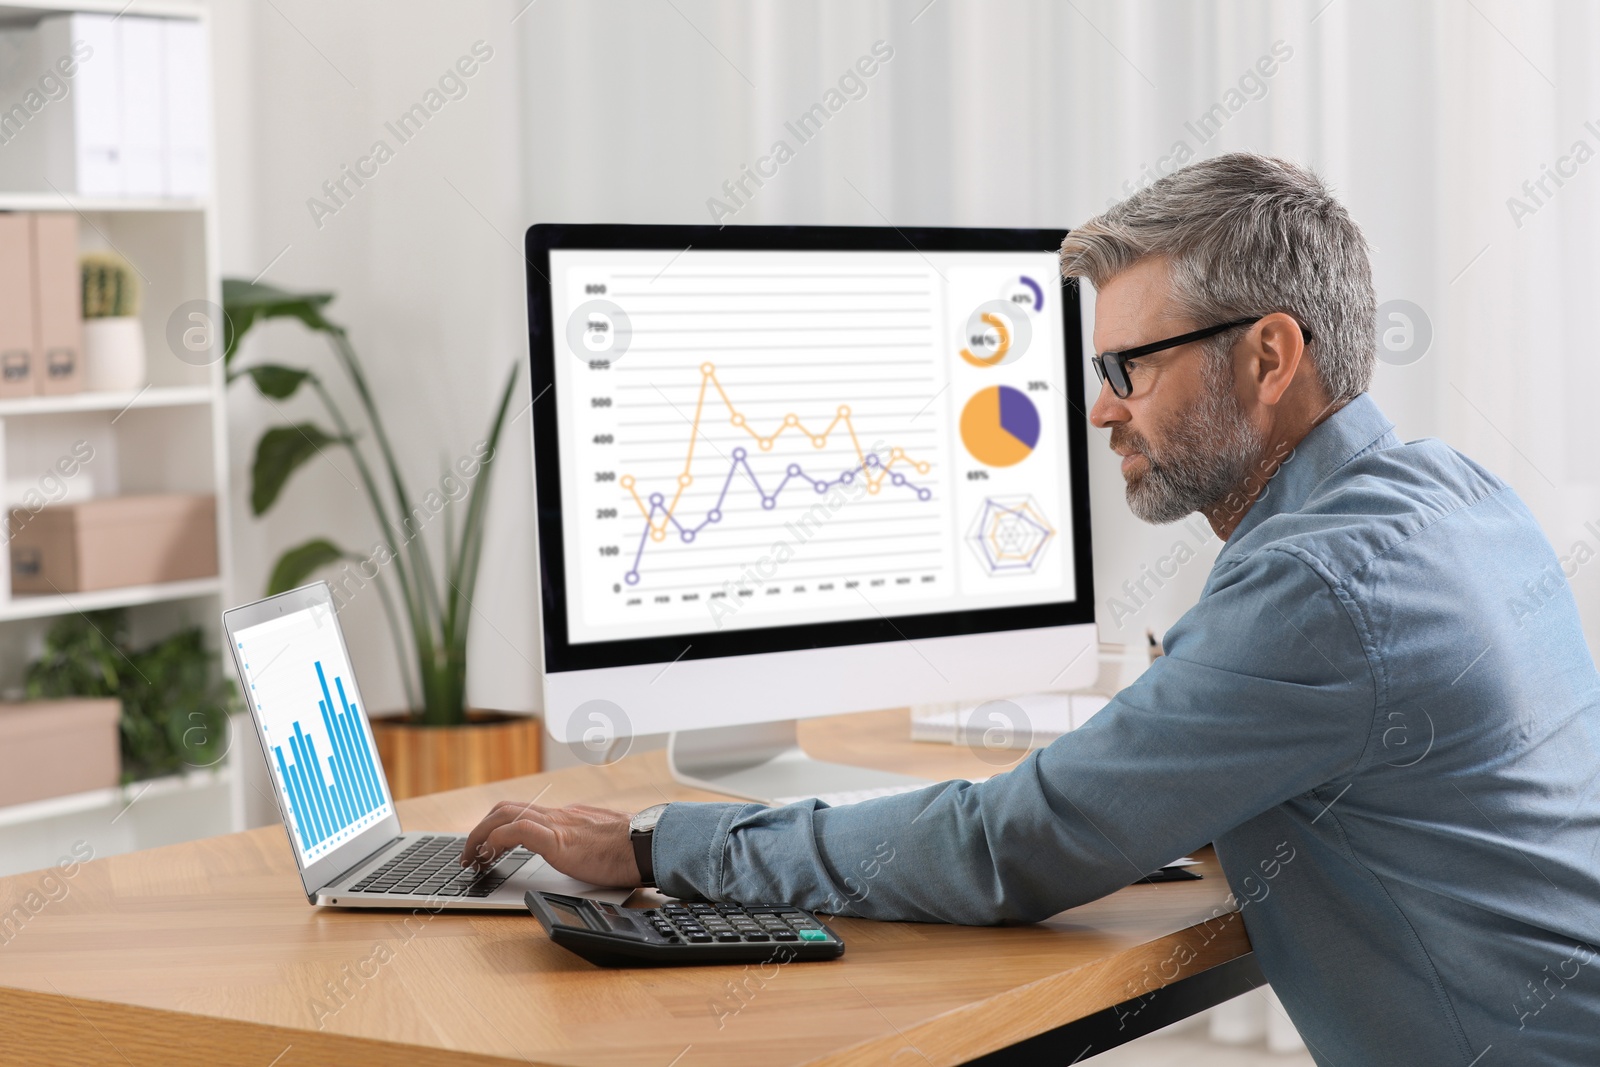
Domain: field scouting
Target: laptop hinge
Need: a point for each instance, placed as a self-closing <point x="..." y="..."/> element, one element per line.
<point x="363" y="862"/>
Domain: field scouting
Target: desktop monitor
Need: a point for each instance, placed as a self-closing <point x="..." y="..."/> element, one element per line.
<point x="788" y="471"/>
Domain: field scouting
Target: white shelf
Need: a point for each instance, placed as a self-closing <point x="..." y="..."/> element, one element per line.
<point x="54" y="201"/>
<point x="152" y="397"/>
<point x="40" y="607"/>
<point x="120" y="796"/>
<point x="24" y="11"/>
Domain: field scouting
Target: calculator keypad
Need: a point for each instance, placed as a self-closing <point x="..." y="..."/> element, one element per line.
<point x="704" y="924"/>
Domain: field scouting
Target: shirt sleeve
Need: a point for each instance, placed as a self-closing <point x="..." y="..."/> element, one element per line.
<point x="1266" y="692"/>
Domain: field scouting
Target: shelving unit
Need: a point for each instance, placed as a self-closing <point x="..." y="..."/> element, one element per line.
<point x="149" y="397"/>
<point x="169" y="436"/>
<point x="25" y="11"/>
<point x="128" y="596"/>
<point x="55" y="201"/>
<point x="120" y="798"/>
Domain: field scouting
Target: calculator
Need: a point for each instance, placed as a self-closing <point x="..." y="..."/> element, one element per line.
<point x="681" y="932"/>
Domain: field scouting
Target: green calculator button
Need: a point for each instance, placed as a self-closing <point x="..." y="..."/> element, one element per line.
<point x="813" y="935"/>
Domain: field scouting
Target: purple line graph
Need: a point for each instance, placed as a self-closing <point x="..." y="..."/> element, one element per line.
<point x="794" y="472"/>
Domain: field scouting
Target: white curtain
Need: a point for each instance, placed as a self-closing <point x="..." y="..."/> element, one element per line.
<point x="1426" y="117"/>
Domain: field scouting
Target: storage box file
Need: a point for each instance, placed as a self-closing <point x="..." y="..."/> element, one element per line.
<point x="16" y="306"/>
<point x="105" y="105"/>
<point x="57" y="303"/>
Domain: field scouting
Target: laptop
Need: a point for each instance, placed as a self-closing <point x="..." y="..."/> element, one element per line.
<point x="329" y="782"/>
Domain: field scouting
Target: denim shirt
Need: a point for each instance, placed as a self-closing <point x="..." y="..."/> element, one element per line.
<point x="1382" y="711"/>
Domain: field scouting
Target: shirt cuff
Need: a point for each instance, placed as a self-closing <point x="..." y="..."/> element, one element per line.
<point x="688" y="846"/>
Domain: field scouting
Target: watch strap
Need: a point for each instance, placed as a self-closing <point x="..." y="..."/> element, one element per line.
<point x="643" y="841"/>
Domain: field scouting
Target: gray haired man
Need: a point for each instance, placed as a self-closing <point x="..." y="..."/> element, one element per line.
<point x="1397" y="768"/>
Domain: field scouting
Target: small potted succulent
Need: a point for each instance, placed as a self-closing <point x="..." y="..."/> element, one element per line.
<point x="113" y="337"/>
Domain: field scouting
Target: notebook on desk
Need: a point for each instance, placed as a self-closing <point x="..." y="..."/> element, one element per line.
<point x="328" y="780"/>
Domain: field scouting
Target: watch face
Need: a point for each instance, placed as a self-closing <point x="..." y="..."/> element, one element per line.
<point x="646" y="819"/>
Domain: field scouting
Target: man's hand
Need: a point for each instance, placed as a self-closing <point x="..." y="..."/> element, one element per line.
<point x="587" y="843"/>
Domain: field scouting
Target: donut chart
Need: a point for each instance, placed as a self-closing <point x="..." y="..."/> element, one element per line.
<point x="1025" y="291"/>
<point x="1000" y="426"/>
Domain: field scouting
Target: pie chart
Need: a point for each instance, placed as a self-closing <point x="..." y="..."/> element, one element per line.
<point x="1000" y="426"/>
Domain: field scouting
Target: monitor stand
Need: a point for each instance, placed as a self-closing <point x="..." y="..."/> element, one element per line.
<point x="764" y="762"/>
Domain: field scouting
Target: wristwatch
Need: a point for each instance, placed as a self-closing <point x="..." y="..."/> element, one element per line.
<point x="642" y="832"/>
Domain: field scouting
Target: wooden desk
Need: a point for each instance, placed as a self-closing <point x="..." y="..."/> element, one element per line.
<point x="207" y="953"/>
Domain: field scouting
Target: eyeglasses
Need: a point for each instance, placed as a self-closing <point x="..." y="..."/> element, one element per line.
<point x="1113" y="366"/>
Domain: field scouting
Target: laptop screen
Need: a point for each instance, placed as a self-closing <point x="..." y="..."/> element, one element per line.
<point x="318" y="746"/>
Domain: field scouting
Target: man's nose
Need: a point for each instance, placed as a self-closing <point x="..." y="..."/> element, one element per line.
<point x="1108" y="408"/>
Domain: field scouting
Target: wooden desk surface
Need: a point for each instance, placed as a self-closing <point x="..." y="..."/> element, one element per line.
<point x="207" y="953"/>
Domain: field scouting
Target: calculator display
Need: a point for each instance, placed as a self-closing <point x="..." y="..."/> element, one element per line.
<point x="565" y="915"/>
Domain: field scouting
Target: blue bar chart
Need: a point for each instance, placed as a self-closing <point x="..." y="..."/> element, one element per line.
<point x="329" y="793"/>
<point x="320" y="753"/>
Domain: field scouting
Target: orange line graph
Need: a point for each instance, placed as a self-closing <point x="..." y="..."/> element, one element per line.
<point x="790" y="421"/>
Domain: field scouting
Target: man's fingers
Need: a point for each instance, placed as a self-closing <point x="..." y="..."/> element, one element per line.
<point x="530" y="833"/>
<point x="506" y="811"/>
<point x="480" y="833"/>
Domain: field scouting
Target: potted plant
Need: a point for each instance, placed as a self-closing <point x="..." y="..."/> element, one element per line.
<point x="175" y="704"/>
<point x="113" y="338"/>
<point x="426" y="597"/>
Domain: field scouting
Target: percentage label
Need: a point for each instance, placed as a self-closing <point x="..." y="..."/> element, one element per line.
<point x="977" y="476"/>
<point x="1038" y="387"/>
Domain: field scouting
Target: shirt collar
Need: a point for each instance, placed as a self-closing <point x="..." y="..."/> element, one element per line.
<point x="1338" y="439"/>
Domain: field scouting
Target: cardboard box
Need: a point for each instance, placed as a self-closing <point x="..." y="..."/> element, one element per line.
<point x="113" y="542"/>
<point x="50" y="748"/>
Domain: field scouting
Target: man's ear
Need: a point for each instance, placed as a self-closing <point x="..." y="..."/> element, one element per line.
<point x="1277" y="351"/>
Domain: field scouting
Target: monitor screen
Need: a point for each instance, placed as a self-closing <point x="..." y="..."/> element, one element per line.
<point x="317" y="741"/>
<point x="809" y="441"/>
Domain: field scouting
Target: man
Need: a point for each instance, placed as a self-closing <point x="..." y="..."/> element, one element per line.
<point x="1396" y="758"/>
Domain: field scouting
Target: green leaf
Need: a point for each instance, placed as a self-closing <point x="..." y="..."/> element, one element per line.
<point x="298" y="563"/>
<point x="81" y="657"/>
<point x="280" y="452"/>
<point x="277" y="381"/>
<point x="244" y="303"/>
<point x="465" y="576"/>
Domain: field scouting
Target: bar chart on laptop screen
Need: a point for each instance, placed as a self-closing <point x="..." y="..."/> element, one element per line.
<point x="319" y="750"/>
<point x="759" y="439"/>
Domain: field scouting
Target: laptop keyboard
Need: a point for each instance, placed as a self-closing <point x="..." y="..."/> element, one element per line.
<point x="431" y="867"/>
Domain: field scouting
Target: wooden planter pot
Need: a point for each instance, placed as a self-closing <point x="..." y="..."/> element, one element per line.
<point x="430" y="759"/>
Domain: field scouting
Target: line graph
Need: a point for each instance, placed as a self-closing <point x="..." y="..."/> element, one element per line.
<point x="869" y="468"/>
<point x="774" y="441"/>
<point x="769" y="500"/>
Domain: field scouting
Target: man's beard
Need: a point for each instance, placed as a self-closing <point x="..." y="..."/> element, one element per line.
<point x="1204" y="456"/>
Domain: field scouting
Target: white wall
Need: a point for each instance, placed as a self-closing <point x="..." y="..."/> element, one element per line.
<point x="1426" y="116"/>
<point x="425" y="260"/>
